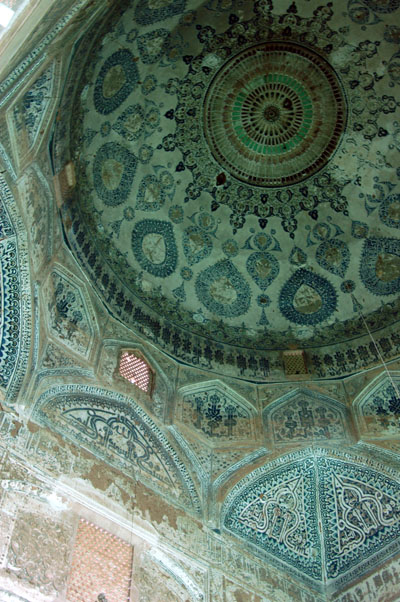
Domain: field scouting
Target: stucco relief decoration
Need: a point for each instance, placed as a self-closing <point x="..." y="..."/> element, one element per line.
<point x="15" y="318"/>
<point x="119" y="432"/>
<point x="39" y="552"/>
<point x="156" y="585"/>
<point x="216" y="411"/>
<point x="237" y="195"/>
<point x="31" y="111"/>
<point x="274" y="510"/>
<point x="302" y="416"/>
<point x="189" y="246"/>
<point x="277" y="514"/>
<point x="39" y="216"/>
<point x="360" y="511"/>
<point x="384" y="583"/>
<point x="378" y="409"/>
<point x="180" y="573"/>
<point x="10" y="310"/>
<point x="71" y="314"/>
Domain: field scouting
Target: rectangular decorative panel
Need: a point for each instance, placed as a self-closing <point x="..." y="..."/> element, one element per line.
<point x="294" y="362"/>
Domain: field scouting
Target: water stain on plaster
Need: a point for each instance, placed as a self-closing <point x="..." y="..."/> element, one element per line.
<point x="98" y="478"/>
<point x="156" y="507"/>
<point x="17" y="426"/>
<point x="32" y="427"/>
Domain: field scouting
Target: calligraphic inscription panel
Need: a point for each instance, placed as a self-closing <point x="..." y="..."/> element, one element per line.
<point x="275" y="511"/>
<point x="121" y="434"/>
<point x="277" y="514"/>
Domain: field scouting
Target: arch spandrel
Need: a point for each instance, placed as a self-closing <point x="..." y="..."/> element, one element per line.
<point x="15" y="295"/>
<point x="303" y="415"/>
<point x="216" y="411"/>
<point x="119" y="432"/>
<point x="377" y="408"/>
<point x="325" y="517"/>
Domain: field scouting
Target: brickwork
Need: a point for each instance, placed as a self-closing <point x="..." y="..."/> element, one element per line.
<point x="101" y="566"/>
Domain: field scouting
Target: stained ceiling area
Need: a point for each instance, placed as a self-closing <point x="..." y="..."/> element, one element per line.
<point x="237" y="170"/>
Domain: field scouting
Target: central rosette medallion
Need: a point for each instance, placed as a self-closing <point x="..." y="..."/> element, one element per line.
<point x="274" y="114"/>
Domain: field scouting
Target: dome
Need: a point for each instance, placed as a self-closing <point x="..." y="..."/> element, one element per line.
<point x="226" y="198"/>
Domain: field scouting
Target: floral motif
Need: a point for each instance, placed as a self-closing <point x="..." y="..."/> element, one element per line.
<point x="307" y="298"/>
<point x="359" y="229"/>
<point x="137" y="121"/>
<point x="153" y="244"/>
<point x="197" y="244"/>
<point x="176" y="214"/>
<point x="379" y="410"/>
<point x="380" y="265"/>
<point x="151" y="195"/>
<point x="32" y="110"/>
<point x="389" y="211"/>
<point x="130" y="124"/>
<point x="186" y="273"/>
<point x="113" y="172"/>
<point x="148" y="12"/>
<point x="233" y="217"/>
<point x="297" y="256"/>
<point x="149" y="84"/>
<point x="118" y="77"/>
<point x="334" y="256"/>
<point x="216" y="413"/>
<point x="263" y="268"/>
<point x="145" y="154"/>
<point x="223" y="290"/>
<point x="151" y="45"/>
<point x="230" y="248"/>
<point x="70" y="318"/>
<point x="383" y="6"/>
<point x="304" y="417"/>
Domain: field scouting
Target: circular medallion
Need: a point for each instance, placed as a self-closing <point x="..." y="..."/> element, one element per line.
<point x="223" y="290"/>
<point x="114" y="168"/>
<point x="274" y="114"/>
<point x="116" y="80"/>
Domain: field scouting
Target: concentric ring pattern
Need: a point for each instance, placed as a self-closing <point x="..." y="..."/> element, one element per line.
<point x="237" y="181"/>
<point x="279" y="107"/>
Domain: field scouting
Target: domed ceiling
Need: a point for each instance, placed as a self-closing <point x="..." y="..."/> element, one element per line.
<point x="236" y="162"/>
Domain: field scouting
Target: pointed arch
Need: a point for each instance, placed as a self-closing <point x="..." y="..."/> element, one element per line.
<point x="303" y="415"/>
<point x="322" y="515"/>
<point x="118" y="431"/>
<point x="220" y="412"/>
<point x="377" y="407"/>
<point x="15" y="295"/>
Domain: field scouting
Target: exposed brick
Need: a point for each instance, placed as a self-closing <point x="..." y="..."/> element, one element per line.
<point x="101" y="564"/>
